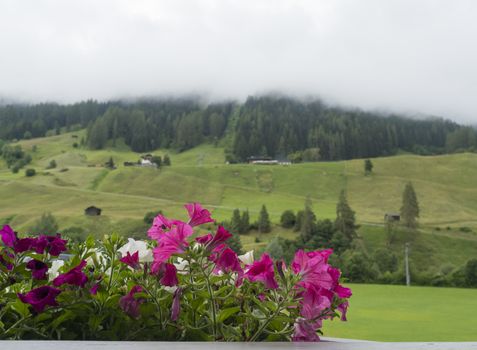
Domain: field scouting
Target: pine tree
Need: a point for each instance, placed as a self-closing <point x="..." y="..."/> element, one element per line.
<point x="236" y="222"/>
<point x="235" y="243"/>
<point x="368" y="167"/>
<point x="308" y="222"/>
<point x="166" y="160"/>
<point x="245" y="222"/>
<point x="345" y="218"/>
<point x="264" y="224"/>
<point x="410" y="206"/>
<point x="46" y="225"/>
<point x="110" y="163"/>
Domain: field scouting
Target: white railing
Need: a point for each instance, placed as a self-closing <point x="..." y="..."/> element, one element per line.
<point x="326" y="344"/>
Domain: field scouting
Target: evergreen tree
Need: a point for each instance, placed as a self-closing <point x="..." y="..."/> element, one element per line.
<point x="275" y="249"/>
<point x="236" y="222"/>
<point x="368" y="167"/>
<point x="264" y="224"/>
<point x="410" y="206"/>
<point x="46" y="225"/>
<point x="245" y="222"/>
<point x="308" y="222"/>
<point x="345" y="218"/>
<point x="235" y="243"/>
<point x="166" y="161"/>
<point x="110" y="163"/>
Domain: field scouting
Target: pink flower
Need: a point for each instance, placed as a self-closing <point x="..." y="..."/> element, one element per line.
<point x="159" y="226"/>
<point x="315" y="301"/>
<point x="342" y="292"/>
<point x="262" y="270"/>
<point x="343" y="308"/>
<point x="305" y="331"/>
<point x="129" y="304"/>
<point x="212" y="242"/>
<point x="8" y="236"/>
<point x="227" y="260"/>
<point x="172" y="242"/>
<point x="176" y="304"/>
<point x="94" y="289"/>
<point x="313" y="268"/>
<point x="167" y="273"/>
<point x="38" y="269"/>
<point x="25" y="244"/>
<point x="197" y="214"/>
<point x="54" y="245"/>
<point x="40" y="297"/>
<point x="131" y="260"/>
<point x="74" y="277"/>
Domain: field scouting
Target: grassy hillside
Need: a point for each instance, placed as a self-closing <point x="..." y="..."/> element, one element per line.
<point x="398" y="313"/>
<point x="446" y="186"/>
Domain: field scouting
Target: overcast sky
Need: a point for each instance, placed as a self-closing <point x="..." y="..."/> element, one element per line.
<point x="413" y="56"/>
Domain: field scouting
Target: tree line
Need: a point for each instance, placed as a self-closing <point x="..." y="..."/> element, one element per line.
<point x="272" y="126"/>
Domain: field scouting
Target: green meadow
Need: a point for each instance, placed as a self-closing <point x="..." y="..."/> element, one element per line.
<point x="399" y="313"/>
<point x="446" y="187"/>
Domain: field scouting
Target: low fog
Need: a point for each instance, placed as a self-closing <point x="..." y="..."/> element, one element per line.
<point x="416" y="57"/>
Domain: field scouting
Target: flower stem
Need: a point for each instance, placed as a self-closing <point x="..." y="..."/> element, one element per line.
<point x="212" y="301"/>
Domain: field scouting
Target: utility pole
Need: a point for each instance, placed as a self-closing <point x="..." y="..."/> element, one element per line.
<point x="406" y="259"/>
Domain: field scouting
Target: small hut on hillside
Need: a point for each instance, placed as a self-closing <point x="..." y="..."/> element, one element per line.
<point x="392" y="217"/>
<point x="92" y="211"/>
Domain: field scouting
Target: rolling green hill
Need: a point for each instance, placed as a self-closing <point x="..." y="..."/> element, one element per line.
<point x="446" y="187"/>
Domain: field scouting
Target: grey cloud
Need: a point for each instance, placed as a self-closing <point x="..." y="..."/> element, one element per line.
<point x="402" y="55"/>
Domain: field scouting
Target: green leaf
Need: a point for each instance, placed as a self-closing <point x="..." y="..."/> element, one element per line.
<point x="226" y="313"/>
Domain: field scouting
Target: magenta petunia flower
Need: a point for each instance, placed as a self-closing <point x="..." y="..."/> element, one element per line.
<point x="212" y="242"/>
<point x="313" y="268"/>
<point x="172" y="242"/>
<point x="305" y="331"/>
<point x="74" y="277"/>
<point x="343" y="308"/>
<point x="166" y="272"/>
<point x="94" y="289"/>
<point x="40" y="297"/>
<point x="54" y="245"/>
<point x="129" y="304"/>
<point x="205" y="239"/>
<point x="38" y="269"/>
<point x="176" y="304"/>
<point x="315" y="301"/>
<point x="25" y="244"/>
<point x="9" y="237"/>
<point x="159" y="227"/>
<point x="227" y="261"/>
<point x="262" y="270"/>
<point x="131" y="260"/>
<point x="197" y="214"/>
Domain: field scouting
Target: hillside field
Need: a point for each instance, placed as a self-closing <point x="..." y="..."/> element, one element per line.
<point x="446" y="187"/>
<point x="399" y="313"/>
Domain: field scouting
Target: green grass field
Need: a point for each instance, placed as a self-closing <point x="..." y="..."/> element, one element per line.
<point x="399" y="313"/>
<point x="446" y="187"/>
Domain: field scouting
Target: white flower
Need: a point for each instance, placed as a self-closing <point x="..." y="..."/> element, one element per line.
<point x="53" y="270"/>
<point x="170" y="289"/>
<point x="145" y="254"/>
<point x="181" y="266"/>
<point x="247" y="258"/>
<point x="98" y="255"/>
